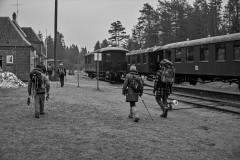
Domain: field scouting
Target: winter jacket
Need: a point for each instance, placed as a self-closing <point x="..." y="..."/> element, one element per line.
<point x="163" y="89"/>
<point x="65" y="73"/>
<point x="45" y="84"/>
<point x="131" y="95"/>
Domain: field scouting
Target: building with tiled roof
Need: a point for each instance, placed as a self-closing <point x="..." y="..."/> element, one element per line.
<point x="36" y="42"/>
<point x="17" y="52"/>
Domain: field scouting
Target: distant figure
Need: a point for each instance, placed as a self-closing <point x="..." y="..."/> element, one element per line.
<point x="1" y="71"/>
<point x="132" y="88"/>
<point x="38" y="85"/>
<point x="43" y="68"/>
<point x="62" y="73"/>
<point x="163" y="85"/>
<point x="49" y="70"/>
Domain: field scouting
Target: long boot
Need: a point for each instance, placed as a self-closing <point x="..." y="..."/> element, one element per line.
<point x="135" y="114"/>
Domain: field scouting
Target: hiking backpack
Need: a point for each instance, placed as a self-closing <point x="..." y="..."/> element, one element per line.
<point x="61" y="71"/>
<point x="36" y="78"/>
<point x="136" y="84"/>
<point x="168" y="75"/>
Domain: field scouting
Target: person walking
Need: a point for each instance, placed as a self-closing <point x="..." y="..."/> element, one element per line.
<point x="49" y="71"/>
<point x="43" y="68"/>
<point x="38" y="86"/>
<point x="162" y="89"/>
<point x="131" y="92"/>
<point x="62" y="73"/>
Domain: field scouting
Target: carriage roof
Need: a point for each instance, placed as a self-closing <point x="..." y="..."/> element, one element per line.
<point x="203" y="41"/>
<point x="107" y="49"/>
<point x="151" y="49"/>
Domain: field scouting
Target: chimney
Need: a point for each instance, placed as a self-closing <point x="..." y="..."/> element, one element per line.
<point x="14" y="17"/>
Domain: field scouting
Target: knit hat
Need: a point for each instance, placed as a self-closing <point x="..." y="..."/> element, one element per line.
<point x="133" y="68"/>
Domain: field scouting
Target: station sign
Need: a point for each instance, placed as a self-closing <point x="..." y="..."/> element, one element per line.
<point x="97" y="56"/>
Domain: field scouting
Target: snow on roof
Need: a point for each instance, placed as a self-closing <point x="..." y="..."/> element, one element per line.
<point x="107" y="49"/>
<point x="203" y="41"/>
<point x="152" y="49"/>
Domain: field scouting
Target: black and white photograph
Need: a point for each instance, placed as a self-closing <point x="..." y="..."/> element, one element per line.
<point x="119" y="80"/>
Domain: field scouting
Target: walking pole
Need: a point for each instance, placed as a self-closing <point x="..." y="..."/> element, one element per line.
<point x="146" y="108"/>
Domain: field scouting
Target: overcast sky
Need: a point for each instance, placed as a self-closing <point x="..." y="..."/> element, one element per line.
<point x="82" y="22"/>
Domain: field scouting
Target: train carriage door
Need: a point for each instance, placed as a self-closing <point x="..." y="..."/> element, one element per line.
<point x="1" y="63"/>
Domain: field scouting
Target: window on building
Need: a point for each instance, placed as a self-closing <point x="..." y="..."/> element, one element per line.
<point x="144" y="57"/>
<point x="168" y="55"/>
<point x="220" y="54"/>
<point x="9" y="58"/>
<point x="138" y="58"/>
<point x="190" y="54"/>
<point x="108" y="57"/>
<point x="204" y="52"/>
<point x="237" y="50"/>
<point x="178" y="55"/>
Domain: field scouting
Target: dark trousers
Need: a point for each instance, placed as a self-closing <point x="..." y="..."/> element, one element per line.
<point x="132" y="104"/>
<point x="162" y="102"/>
<point x="61" y="81"/>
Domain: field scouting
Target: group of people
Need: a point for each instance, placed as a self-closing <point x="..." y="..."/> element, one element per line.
<point x="162" y="90"/>
<point x="39" y="86"/>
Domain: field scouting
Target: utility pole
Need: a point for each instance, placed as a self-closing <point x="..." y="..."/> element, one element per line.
<point x="46" y="46"/>
<point x="55" y="41"/>
<point x="78" y="67"/>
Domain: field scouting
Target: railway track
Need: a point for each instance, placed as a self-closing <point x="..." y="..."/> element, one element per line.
<point x="201" y="102"/>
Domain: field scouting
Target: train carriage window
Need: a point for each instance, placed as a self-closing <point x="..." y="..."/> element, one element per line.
<point x="220" y="52"/>
<point x="138" y="58"/>
<point x="237" y="50"/>
<point x="204" y="53"/>
<point x="129" y="59"/>
<point x="178" y="55"/>
<point x="144" y="58"/>
<point x="108" y="57"/>
<point x="133" y="59"/>
<point x="190" y="54"/>
<point x="168" y="55"/>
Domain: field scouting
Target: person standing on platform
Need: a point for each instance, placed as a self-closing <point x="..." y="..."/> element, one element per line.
<point x="62" y="74"/>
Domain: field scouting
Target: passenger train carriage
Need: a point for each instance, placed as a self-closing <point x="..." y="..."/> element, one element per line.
<point x="112" y="67"/>
<point x="207" y="59"/>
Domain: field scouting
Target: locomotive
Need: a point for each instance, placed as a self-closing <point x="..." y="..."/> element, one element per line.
<point x="201" y="60"/>
<point x="112" y="67"/>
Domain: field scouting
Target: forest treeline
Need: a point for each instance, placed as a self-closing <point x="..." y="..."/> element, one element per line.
<point x="171" y="21"/>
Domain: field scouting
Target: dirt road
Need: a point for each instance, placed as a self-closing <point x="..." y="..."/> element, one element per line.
<point x="84" y="123"/>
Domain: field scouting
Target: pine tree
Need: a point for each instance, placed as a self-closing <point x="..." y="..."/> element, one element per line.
<point x="97" y="46"/>
<point x="231" y="16"/>
<point x="104" y="43"/>
<point x="118" y="33"/>
<point x="215" y="17"/>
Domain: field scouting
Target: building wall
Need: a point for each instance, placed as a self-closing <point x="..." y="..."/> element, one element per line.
<point x="21" y="61"/>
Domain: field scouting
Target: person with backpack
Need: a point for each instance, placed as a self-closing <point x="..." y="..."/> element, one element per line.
<point x="62" y="73"/>
<point x="49" y="70"/>
<point x="163" y="85"/>
<point x="43" y="68"/>
<point x="38" y="86"/>
<point x="132" y="88"/>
